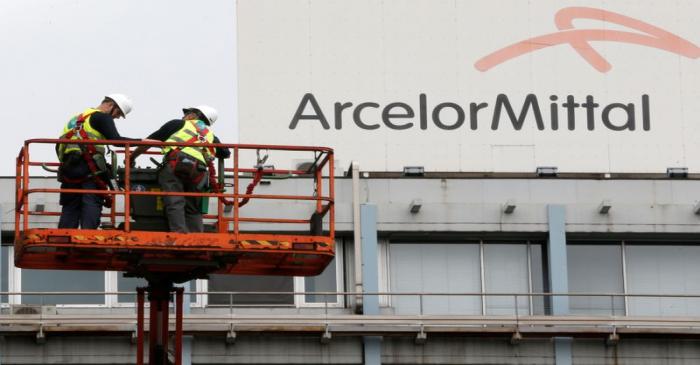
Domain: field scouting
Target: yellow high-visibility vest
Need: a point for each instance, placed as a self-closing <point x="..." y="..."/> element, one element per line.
<point x="194" y="131"/>
<point x="74" y="126"/>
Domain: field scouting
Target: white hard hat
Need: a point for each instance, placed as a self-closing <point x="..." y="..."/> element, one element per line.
<point x="208" y="112"/>
<point x="123" y="102"/>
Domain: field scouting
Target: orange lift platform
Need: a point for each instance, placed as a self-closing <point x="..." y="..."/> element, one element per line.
<point x="134" y="238"/>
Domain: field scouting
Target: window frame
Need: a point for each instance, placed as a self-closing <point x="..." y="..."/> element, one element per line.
<point x="623" y="271"/>
<point x="300" y="283"/>
<point x="10" y="264"/>
<point x="642" y="242"/>
<point x="385" y="269"/>
<point x="112" y="286"/>
<point x="17" y="281"/>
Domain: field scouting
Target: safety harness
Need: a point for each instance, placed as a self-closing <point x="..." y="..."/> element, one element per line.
<point x="209" y="153"/>
<point x="88" y="152"/>
<point x="200" y="135"/>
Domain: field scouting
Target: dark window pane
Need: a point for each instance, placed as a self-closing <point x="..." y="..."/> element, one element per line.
<point x="128" y="284"/>
<point x="595" y="269"/>
<point x="537" y="271"/>
<point x="251" y="283"/>
<point x="191" y="286"/>
<point x="63" y="280"/>
<point x="4" y="272"/>
<point x="326" y="282"/>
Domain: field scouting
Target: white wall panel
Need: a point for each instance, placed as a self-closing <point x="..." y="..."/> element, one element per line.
<point x="423" y="55"/>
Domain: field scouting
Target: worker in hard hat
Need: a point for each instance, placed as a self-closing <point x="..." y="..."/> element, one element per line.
<point x="83" y="166"/>
<point x="186" y="168"/>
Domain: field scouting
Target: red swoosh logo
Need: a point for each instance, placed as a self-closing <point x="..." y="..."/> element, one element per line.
<point x="579" y="39"/>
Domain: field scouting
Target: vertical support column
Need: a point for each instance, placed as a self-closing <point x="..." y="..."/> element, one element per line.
<point x="558" y="277"/>
<point x="164" y="313"/>
<point x="370" y="276"/>
<point x="140" y="323"/>
<point x="153" y="327"/>
<point x="159" y="299"/>
<point x="562" y="350"/>
<point x="357" y="233"/>
<point x="370" y="265"/>
<point x="178" y="325"/>
<point x="186" y="339"/>
<point x="557" y="264"/>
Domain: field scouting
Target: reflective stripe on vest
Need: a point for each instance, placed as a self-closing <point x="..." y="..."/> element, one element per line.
<point x="192" y="129"/>
<point x="91" y="133"/>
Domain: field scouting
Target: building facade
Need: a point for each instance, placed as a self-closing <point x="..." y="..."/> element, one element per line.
<point x="527" y="187"/>
<point x="465" y="268"/>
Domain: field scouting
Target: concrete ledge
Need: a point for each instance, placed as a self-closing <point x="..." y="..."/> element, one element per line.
<point x="531" y="326"/>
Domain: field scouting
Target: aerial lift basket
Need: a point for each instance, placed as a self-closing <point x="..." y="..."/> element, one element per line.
<point x="135" y="240"/>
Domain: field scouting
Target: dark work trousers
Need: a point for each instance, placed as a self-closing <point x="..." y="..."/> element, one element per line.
<point x="79" y="210"/>
<point x="184" y="213"/>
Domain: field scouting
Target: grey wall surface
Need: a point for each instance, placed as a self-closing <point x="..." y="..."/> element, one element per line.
<point x="276" y="349"/>
<point x="67" y="350"/>
<point x="637" y="352"/>
<point x="460" y="350"/>
<point x="449" y="206"/>
<point x="290" y="349"/>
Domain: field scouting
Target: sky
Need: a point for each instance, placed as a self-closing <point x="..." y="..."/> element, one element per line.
<point x="62" y="56"/>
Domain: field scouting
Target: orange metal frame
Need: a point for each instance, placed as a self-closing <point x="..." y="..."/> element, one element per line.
<point x="229" y="250"/>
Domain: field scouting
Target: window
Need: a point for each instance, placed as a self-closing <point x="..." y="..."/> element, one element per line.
<point x="251" y="283"/>
<point x="538" y="274"/>
<point x="330" y="280"/>
<point x="595" y="268"/>
<point x="28" y="280"/>
<point x="435" y="268"/>
<point x="667" y="269"/>
<point x="63" y="280"/>
<point x="457" y="268"/>
<point x="506" y="271"/>
<point x="327" y="281"/>
<point x="130" y="284"/>
<point x="4" y="272"/>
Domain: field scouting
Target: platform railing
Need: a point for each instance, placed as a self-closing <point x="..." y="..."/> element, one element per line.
<point x="232" y="319"/>
<point x="391" y="304"/>
<point x="321" y="170"/>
